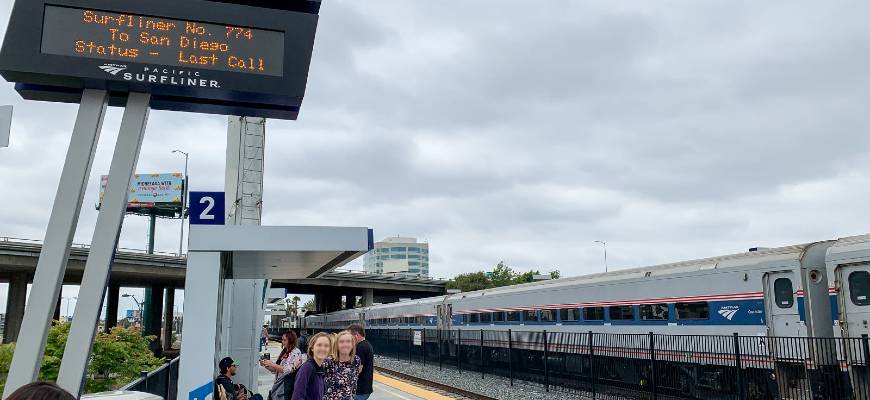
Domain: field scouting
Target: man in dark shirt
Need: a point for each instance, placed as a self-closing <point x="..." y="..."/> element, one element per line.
<point x="367" y="355"/>
<point x="225" y="380"/>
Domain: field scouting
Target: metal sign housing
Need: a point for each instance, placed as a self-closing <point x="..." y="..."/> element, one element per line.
<point x="192" y="55"/>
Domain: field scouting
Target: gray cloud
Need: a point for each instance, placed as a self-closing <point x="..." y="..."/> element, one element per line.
<point x="501" y="130"/>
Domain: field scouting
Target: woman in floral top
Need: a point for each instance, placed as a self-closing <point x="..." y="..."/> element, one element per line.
<point x="290" y="358"/>
<point x="342" y="368"/>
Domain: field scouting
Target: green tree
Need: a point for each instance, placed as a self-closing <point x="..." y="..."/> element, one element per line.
<point x="310" y="305"/>
<point x="470" y="282"/>
<point x="117" y="358"/>
<point x="502" y="275"/>
<point x="555" y="274"/>
<point x="525" y="277"/>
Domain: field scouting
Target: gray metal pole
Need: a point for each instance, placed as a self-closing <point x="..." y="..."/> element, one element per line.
<point x="51" y="266"/>
<point x="96" y="274"/>
<point x="152" y="227"/>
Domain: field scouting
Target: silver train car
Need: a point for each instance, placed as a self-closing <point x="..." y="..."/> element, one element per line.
<point x="815" y="290"/>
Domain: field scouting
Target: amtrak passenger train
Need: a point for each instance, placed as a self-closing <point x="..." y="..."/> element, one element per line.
<point x="819" y="290"/>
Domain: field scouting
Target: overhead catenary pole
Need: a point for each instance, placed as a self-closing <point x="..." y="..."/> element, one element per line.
<point x="603" y="243"/>
<point x="51" y="266"/>
<point x="99" y="263"/>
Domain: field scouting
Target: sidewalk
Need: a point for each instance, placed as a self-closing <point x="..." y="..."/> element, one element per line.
<point x="266" y="378"/>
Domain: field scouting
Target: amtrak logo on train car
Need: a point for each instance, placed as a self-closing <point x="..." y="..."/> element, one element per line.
<point x="729" y="311"/>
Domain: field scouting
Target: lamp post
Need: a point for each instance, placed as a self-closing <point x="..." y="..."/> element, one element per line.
<point x="183" y="198"/>
<point x="68" y="300"/>
<point x="603" y="243"/>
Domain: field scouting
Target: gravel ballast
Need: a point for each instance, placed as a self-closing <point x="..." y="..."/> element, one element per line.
<point x="492" y="385"/>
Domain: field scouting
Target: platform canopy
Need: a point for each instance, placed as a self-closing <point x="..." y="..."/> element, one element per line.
<point x="281" y="252"/>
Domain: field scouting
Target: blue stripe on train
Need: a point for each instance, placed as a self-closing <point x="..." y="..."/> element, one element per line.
<point x="833" y="302"/>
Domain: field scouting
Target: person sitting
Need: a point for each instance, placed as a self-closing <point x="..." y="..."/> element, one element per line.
<point x="224" y="388"/>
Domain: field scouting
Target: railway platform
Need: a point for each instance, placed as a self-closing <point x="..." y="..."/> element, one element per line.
<point x="386" y="388"/>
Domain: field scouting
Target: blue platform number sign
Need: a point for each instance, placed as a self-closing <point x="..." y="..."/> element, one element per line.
<point x="207" y="208"/>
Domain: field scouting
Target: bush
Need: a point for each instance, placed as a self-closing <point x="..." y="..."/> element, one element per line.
<point x="117" y="358"/>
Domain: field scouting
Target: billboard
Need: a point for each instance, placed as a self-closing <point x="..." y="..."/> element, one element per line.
<point x="160" y="194"/>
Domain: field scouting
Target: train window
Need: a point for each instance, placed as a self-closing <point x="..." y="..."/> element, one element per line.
<point x="621" y="313"/>
<point x="654" y="312"/>
<point x="513" y="316"/>
<point x="548" y="315"/>
<point x="569" y="314"/>
<point x="859" y="287"/>
<point x="699" y="310"/>
<point x="498" y="317"/>
<point x="421" y="320"/>
<point x="530" y="316"/>
<point x="485" y="318"/>
<point x="593" y="313"/>
<point x="783" y="293"/>
<point x="473" y="318"/>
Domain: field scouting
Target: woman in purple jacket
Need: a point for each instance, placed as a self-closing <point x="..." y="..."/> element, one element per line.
<point x="309" y="378"/>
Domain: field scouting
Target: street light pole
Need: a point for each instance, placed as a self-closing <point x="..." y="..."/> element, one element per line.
<point x="68" y="300"/>
<point x="605" y="253"/>
<point x="183" y="199"/>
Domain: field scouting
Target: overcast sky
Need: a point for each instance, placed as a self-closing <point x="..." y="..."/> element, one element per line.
<point x="521" y="131"/>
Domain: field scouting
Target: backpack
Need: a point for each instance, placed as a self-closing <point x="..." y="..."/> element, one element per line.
<point x="282" y="389"/>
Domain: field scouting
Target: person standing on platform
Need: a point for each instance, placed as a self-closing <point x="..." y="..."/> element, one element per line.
<point x="309" y="378"/>
<point x="289" y="361"/>
<point x="264" y="337"/>
<point x="342" y="368"/>
<point x="366" y="353"/>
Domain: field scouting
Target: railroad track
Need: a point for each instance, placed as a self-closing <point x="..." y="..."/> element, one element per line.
<point x="440" y="387"/>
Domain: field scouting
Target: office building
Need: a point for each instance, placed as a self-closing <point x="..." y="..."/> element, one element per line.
<point x="398" y="255"/>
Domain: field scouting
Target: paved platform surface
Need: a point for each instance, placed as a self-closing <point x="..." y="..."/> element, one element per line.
<point x="385" y="388"/>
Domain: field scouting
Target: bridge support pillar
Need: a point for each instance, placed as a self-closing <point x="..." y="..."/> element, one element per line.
<point x="15" y="306"/>
<point x="368" y="298"/>
<point x="56" y="315"/>
<point x="349" y="301"/>
<point x="113" y="292"/>
<point x="168" y="318"/>
<point x="153" y="317"/>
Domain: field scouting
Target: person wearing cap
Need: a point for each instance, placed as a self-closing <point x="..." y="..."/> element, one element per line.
<point x="224" y="388"/>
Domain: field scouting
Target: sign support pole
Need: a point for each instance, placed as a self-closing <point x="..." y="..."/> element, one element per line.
<point x="99" y="264"/>
<point x="51" y="266"/>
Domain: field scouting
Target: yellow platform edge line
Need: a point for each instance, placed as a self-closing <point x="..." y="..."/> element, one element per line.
<point x="408" y="388"/>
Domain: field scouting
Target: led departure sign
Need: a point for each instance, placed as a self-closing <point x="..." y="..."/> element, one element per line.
<point x="235" y="57"/>
<point x="127" y="37"/>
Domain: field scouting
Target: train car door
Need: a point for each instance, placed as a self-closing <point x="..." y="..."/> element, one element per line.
<point x="855" y="289"/>
<point x="782" y="310"/>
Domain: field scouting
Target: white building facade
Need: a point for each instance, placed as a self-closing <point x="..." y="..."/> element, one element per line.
<point x="398" y="255"/>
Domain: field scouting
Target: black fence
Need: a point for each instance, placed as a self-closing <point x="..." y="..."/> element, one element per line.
<point x="162" y="381"/>
<point x="645" y="366"/>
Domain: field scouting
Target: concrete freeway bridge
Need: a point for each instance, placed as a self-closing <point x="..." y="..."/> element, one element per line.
<point x="166" y="272"/>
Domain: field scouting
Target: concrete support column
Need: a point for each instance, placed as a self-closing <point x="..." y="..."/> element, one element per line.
<point x="15" y="306"/>
<point x="349" y="301"/>
<point x="153" y="317"/>
<point x="56" y="315"/>
<point x="168" y="318"/>
<point x="368" y="297"/>
<point x="113" y="294"/>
